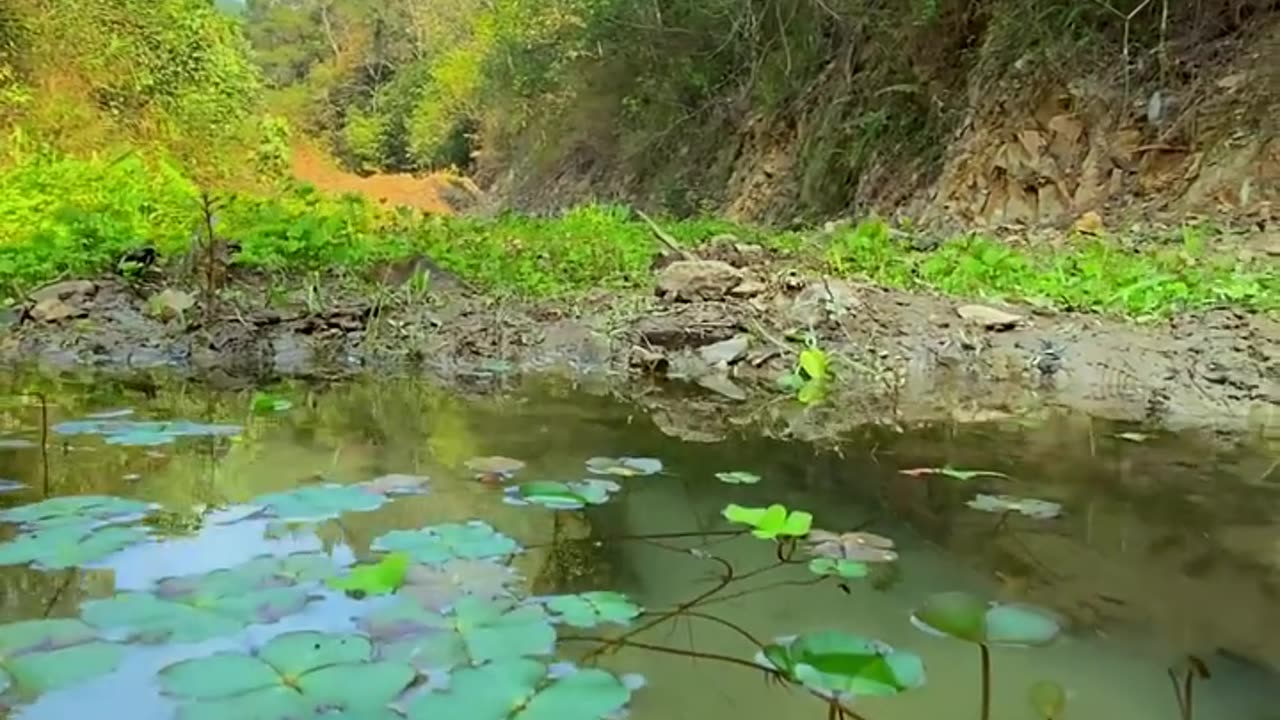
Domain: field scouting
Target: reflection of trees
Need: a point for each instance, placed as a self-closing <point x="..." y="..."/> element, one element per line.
<point x="29" y="593"/>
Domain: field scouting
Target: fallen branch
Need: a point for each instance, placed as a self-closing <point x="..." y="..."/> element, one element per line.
<point x="666" y="237"/>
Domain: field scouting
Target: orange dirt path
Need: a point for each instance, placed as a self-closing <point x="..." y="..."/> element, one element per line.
<point x="396" y="189"/>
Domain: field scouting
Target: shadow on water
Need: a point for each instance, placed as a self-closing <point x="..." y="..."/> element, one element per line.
<point x="1165" y="547"/>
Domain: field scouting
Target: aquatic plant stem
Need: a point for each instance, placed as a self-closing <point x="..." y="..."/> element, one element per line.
<point x="986" y="681"/>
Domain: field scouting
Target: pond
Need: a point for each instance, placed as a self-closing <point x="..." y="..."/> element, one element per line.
<point x="386" y="549"/>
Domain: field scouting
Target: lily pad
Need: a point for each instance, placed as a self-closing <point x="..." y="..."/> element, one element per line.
<point x="589" y="609"/>
<point x="772" y="522"/>
<point x="856" y="546"/>
<point x="738" y="477"/>
<point x="436" y="545"/>
<point x="478" y="630"/>
<point x="319" y="502"/>
<point x="848" y="569"/>
<point x="562" y="496"/>
<point x="295" y="675"/>
<point x="964" y="617"/>
<point x="438" y="588"/>
<point x="522" y="689"/>
<point x="953" y="473"/>
<point x="65" y="546"/>
<point x="380" y="578"/>
<point x="495" y="466"/>
<point x="77" y="510"/>
<point x="841" y="666"/>
<point x="1031" y="507"/>
<point x="397" y="484"/>
<point x="624" y="466"/>
<point x="260" y="573"/>
<point x="41" y="655"/>
<point x="142" y="433"/>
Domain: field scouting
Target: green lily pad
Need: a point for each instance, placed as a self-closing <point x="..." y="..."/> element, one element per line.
<point x="841" y="666"/>
<point x="295" y="675"/>
<point x="562" y="496"/>
<point x="260" y="573"/>
<point x="319" y="502"/>
<point x="41" y="655"/>
<point x="964" y="617"/>
<point x="521" y="689"/>
<point x="437" y="544"/>
<point x="1031" y="507"/>
<point x="738" y="477"/>
<point x="849" y="569"/>
<point x="772" y="522"/>
<point x="380" y="578"/>
<point x="439" y="587"/>
<point x="64" y="546"/>
<point x="624" y="466"/>
<point x="144" y="433"/>
<point x="480" y="630"/>
<point x="589" y="609"/>
<point x="76" y="510"/>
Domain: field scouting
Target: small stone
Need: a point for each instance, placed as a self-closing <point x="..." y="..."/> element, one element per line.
<point x="988" y="317"/>
<point x="725" y="351"/>
<point x="721" y="384"/>
<point x="52" y="310"/>
<point x="63" y="291"/>
<point x="170" y="303"/>
<point x="698" y="279"/>
<point x="1089" y="223"/>
<point x="749" y="288"/>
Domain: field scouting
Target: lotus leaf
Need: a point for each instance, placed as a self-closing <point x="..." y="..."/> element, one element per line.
<point x="76" y="509"/>
<point x="479" y="629"/>
<point x="738" y="477"/>
<point x="260" y="573"/>
<point x="438" y="588"/>
<point x="319" y="502"/>
<point x="125" y="432"/>
<point x="380" y="578"/>
<point x="848" y="569"/>
<point x="563" y="496"/>
<point x="146" y="618"/>
<point x="43" y="655"/>
<point x="495" y="466"/>
<point x="772" y="522"/>
<point x="590" y="609"/>
<point x="624" y="466"/>
<point x="522" y="689"/>
<point x="1031" y="507"/>
<point x="965" y="617"/>
<point x="396" y="484"/>
<point x="841" y="666"/>
<point x="856" y="546"/>
<point x="437" y="544"/>
<point x="64" y="546"/>
<point x="295" y="675"/>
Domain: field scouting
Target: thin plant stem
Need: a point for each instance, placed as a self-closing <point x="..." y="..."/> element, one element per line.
<point x="986" y="681"/>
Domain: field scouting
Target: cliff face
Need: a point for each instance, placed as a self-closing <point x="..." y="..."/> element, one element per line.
<point x="1189" y="126"/>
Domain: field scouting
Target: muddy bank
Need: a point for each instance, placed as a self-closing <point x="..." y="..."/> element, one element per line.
<point x="718" y="333"/>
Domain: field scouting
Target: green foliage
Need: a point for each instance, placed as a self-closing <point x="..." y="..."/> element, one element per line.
<point x="841" y="666"/>
<point x="319" y="502"/>
<point x="770" y="523"/>
<point x="380" y="578"/>
<point x="964" y="617"/>
<point x="41" y="655"/>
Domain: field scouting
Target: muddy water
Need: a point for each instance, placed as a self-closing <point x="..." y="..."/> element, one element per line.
<point x="1166" y="545"/>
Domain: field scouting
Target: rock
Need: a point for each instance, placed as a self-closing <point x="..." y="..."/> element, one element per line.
<point x="749" y="288"/>
<point x="725" y="352"/>
<point x="721" y="384"/>
<point x="170" y="303"/>
<point x="52" y="310"/>
<point x="690" y="280"/>
<point x="648" y="360"/>
<point x="62" y="300"/>
<point x="64" y="290"/>
<point x="1089" y="223"/>
<point x="989" y="317"/>
<point x="830" y="297"/>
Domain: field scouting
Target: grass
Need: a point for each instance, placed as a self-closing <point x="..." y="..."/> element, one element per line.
<point x="67" y="217"/>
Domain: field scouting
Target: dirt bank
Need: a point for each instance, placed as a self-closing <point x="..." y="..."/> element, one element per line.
<point x="718" y="335"/>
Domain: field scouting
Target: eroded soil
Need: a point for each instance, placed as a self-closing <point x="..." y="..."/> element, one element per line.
<point x="723" y="329"/>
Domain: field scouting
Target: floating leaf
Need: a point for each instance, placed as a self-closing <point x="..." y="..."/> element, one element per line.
<point x="1048" y="699"/>
<point x="1031" y="507"/>
<point x="438" y="588"/>
<point x="65" y="546"/>
<point x="738" y="477"/>
<point x="259" y="573"/>
<point x="479" y="629"/>
<point x="562" y="496"/>
<point x="953" y="473"/>
<point x="435" y="545"/>
<point x="521" y="689"/>
<point x="295" y="675"/>
<point x="124" y="432"/>
<point x="380" y="578"/>
<point x="624" y="466"/>
<point x="856" y="546"/>
<point x="964" y="617"/>
<point x="41" y="655"/>
<point x="495" y="466"/>
<point x="841" y="666"/>
<point x="264" y="403"/>
<point x="589" y="609"/>
<point x="319" y="502"/>
<point x="78" y="510"/>
<point x="772" y="522"/>
<point x="397" y="484"/>
<point x="840" y="568"/>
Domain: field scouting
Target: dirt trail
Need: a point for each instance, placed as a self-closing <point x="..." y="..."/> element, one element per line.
<point x="428" y="193"/>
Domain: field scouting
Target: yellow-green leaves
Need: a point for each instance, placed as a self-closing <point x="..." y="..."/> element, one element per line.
<point x="772" y="522"/>
<point x="380" y="578"/>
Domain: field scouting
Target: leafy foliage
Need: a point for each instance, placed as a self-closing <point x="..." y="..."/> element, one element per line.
<point x="58" y="547"/>
<point x="439" y="587"/>
<point x="477" y="630"/>
<point x="841" y="666"/>
<point x="380" y="578"/>
<point x="590" y="609"/>
<point x="42" y="655"/>
<point x="965" y="617"/>
<point x="437" y="544"/>
<point x="522" y="689"/>
<point x="319" y="502"/>
<point x="75" y="510"/>
<point x="770" y="523"/>
<point x="562" y="496"/>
